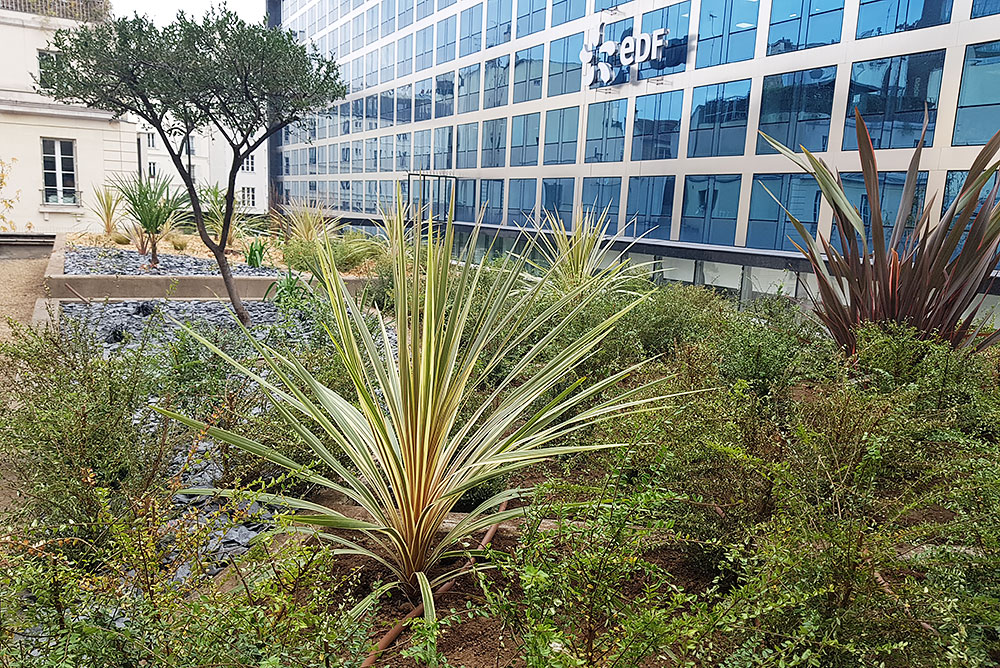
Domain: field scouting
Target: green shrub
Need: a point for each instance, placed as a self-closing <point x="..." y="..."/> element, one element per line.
<point x="300" y="254"/>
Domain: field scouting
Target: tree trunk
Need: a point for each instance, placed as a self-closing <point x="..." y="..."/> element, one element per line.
<point x="154" y="259"/>
<point x="227" y="279"/>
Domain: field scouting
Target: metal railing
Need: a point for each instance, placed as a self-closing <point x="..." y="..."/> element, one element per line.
<point x="77" y="10"/>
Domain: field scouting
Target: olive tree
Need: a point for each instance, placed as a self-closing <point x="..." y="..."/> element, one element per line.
<point x="243" y="81"/>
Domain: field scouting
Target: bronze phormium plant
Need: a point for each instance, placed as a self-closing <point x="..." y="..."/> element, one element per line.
<point x="927" y="279"/>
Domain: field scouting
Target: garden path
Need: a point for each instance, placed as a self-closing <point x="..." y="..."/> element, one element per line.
<point x="21" y="285"/>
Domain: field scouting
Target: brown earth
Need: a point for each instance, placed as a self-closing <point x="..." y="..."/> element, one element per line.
<point x="20" y="287"/>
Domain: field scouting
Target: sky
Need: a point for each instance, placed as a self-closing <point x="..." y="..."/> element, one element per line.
<point x="162" y="11"/>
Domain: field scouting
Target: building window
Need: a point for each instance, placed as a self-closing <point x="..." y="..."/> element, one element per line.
<point x="465" y="200"/>
<point x="447" y="39"/>
<point x="371" y="154"/>
<point x="345" y="157"/>
<point x="650" y="206"/>
<point x="979" y="96"/>
<point x="59" y="171"/>
<point x="358" y="115"/>
<point x="491" y="200"/>
<point x="557" y="199"/>
<point x="804" y="24"/>
<point x="719" y="119"/>
<point x="443" y="140"/>
<point x="152" y="169"/>
<point x="248" y="197"/>
<point x="424" y="8"/>
<point x="567" y="10"/>
<point x="404" y="56"/>
<point x="422" y="101"/>
<point x="795" y="109"/>
<point x="358" y="32"/>
<point x="388" y="63"/>
<point x="521" y="202"/>
<point x="955" y="181"/>
<point x="495" y="143"/>
<point x="602" y="197"/>
<point x="425" y="48"/>
<point x="405" y="17"/>
<point x="371" y="197"/>
<point x="528" y="67"/>
<point x="561" y="129"/>
<point x="371" y="69"/>
<point x="606" y="131"/>
<point x="371" y="112"/>
<point x="421" y="150"/>
<point x="709" y="211"/>
<point x="467" y="146"/>
<point x="615" y="32"/>
<point x="496" y="80"/>
<point x="769" y="227"/>
<point x="388" y="17"/>
<point x="249" y="164"/>
<point x="151" y="139"/>
<point x="385" y="163"/>
<point x="471" y="30"/>
<point x="498" y="20"/>
<point x="530" y="17"/>
<point x="357" y="196"/>
<point x="565" y="70"/>
<point x="357" y="157"/>
<point x="883" y="17"/>
<point x="345" y="118"/>
<point x="891" y="94"/>
<point x="890" y="190"/>
<point x="600" y="5"/>
<point x="403" y="152"/>
<point x="673" y="58"/>
<point x="727" y="30"/>
<point x="524" y="135"/>
<point x="468" y="89"/>
<point x="387" y="108"/>
<point x="444" y="98"/>
<point x="404" y="104"/>
<point x="985" y="8"/>
<point x="371" y="25"/>
<point x="656" y="127"/>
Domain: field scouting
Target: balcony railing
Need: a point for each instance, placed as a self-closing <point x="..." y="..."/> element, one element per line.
<point x="77" y="10"/>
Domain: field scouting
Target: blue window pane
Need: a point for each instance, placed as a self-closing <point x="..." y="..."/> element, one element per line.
<point x="357" y="75"/>
<point x="345" y="118"/>
<point x="606" y="69"/>
<point x="602" y="196"/>
<point x="709" y="209"/>
<point x="371" y="154"/>
<point x="404" y="56"/>
<point x="530" y="17"/>
<point x="465" y="200"/>
<point x="891" y="94"/>
<point x="371" y="112"/>
<point x="403" y="152"/>
<point x="371" y="197"/>
<point x="444" y="95"/>
<point x="650" y="206"/>
<point x="600" y="5"/>
<point x="673" y="56"/>
<point x="498" y="22"/>
<point x="404" y="104"/>
<point x="357" y="115"/>
<point x="528" y="67"/>
<point x="978" y="114"/>
<point x="953" y="188"/>
<point x="606" y="131"/>
<point x="387" y="108"/>
<point x="425" y="48"/>
<point x="557" y="199"/>
<point x="471" y="30"/>
<point x="883" y="17"/>
<point x="567" y="10"/>
<point x="496" y="81"/>
<point x="443" y="147"/>
<point x="719" y="119"/>
<point x="769" y="227"/>
<point x="795" y="109"/>
<point x="804" y="24"/>
<point x="371" y="69"/>
<point x="424" y="8"/>
<point x="357" y="157"/>
<point x="565" y="69"/>
<point x="890" y="189"/>
<point x="385" y="161"/>
<point x="357" y="196"/>
<point x="422" y="101"/>
<point x="388" y="17"/>
<point x="371" y="25"/>
<point x="467" y="146"/>
<point x="446" y="39"/>
<point x="561" y="129"/>
<point x="491" y="200"/>
<point x="656" y="126"/>
<point x="495" y="143"/>
<point x="468" y="89"/>
<point x="524" y="135"/>
<point x="985" y="8"/>
<point x="521" y="202"/>
<point x="405" y="13"/>
<point x="727" y="30"/>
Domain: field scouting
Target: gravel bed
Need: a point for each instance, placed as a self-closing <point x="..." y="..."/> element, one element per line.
<point x="88" y="260"/>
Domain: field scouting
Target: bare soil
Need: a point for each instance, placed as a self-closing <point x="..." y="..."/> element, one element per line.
<point x="21" y="285"/>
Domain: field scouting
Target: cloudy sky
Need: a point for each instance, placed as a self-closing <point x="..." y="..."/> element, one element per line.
<point x="163" y="11"/>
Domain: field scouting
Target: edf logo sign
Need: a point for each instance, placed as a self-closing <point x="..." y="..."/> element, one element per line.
<point x="597" y="54"/>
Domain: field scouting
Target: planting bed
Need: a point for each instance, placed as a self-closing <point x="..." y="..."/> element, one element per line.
<point x="91" y="261"/>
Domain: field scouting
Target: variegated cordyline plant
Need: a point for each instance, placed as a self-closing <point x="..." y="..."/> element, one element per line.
<point x="925" y="276"/>
<point x="424" y="427"/>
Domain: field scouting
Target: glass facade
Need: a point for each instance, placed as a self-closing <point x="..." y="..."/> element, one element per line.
<point x="493" y="96"/>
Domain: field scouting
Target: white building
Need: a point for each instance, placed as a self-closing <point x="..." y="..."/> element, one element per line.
<point x="60" y="152"/>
